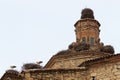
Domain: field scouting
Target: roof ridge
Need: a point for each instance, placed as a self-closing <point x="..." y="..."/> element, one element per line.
<point x="96" y="59"/>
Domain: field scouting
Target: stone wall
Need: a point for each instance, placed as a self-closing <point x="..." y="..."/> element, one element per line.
<point x="101" y="71"/>
<point x="104" y="71"/>
<point x="74" y="60"/>
<point x="87" y="28"/>
<point x="70" y="62"/>
<point x="75" y="74"/>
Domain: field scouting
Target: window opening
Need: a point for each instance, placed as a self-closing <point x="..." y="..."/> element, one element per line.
<point x="93" y="77"/>
<point x="91" y="41"/>
<point x="84" y="40"/>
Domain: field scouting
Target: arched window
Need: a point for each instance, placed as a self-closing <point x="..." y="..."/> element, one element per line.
<point x="91" y="41"/>
<point x="83" y="40"/>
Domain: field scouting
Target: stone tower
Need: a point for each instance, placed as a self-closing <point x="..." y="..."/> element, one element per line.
<point x="87" y="29"/>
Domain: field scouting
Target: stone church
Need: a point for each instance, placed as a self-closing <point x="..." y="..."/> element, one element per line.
<point x="86" y="59"/>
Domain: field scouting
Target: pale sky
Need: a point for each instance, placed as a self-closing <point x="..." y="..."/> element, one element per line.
<point x="34" y="30"/>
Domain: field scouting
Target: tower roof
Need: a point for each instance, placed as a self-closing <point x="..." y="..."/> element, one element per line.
<point x="87" y="13"/>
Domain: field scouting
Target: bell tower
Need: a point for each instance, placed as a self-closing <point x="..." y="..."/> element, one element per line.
<point x="87" y="28"/>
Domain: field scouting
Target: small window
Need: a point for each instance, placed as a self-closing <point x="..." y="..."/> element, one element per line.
<point x="93" y="77"/>
<point x="84" y="40"/>
<point x="91" y="41"/>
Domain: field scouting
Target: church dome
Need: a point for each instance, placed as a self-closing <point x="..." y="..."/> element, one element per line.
<point x="87" y="13"/>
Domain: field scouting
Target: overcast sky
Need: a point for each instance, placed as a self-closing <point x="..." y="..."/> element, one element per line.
<point x="34" y="30"/>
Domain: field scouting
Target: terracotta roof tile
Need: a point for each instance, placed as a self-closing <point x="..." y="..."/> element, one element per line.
<point x="89" y="62"/>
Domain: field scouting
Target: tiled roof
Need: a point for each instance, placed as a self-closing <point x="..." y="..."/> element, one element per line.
<point x="97" y="60"/>
<point x="87" y="19"/>
<point x="64" y="54"/>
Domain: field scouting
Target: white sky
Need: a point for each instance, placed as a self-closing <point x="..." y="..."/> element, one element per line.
<point x="34" y="30"/>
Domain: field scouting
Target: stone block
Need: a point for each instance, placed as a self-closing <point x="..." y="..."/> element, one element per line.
<point x="117" y="73"/>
